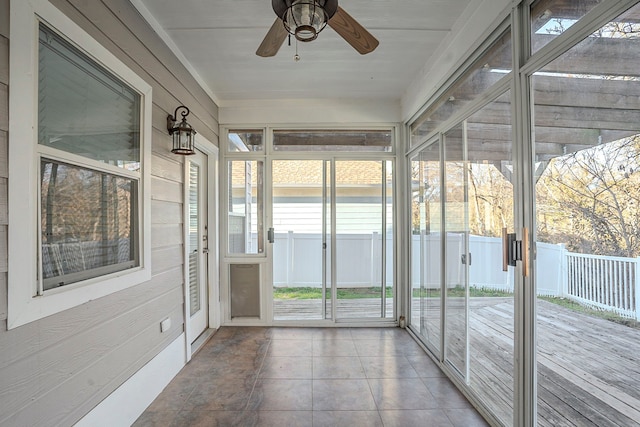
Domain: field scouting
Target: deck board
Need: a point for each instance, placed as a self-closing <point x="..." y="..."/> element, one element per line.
<point x="588" y="368"/>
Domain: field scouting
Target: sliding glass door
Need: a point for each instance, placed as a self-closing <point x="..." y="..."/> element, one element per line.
<point x="490" y="203"/>
<point x="456" y="249"/>
<point x="426" y="243"/>
<point x="463" y="182"/>
<point x="462" y="290"/>
<point x="586" y="119"/>
<point x="320" y="207"/>
<point x="364" y="239"/>
<point x="301" y="239"/>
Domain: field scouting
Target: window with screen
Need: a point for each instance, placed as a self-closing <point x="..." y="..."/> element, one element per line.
<point x="88" y="202"/>
<point x="79" y="193"/>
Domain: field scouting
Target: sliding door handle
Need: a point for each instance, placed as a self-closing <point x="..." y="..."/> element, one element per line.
<point x="515" y="250"/>
<point x="506" y="246"/>
<point x="271" y="235"/>
<point x="466" y="258"/>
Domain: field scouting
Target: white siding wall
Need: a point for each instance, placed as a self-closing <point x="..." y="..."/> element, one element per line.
<point x="54" y="371"/>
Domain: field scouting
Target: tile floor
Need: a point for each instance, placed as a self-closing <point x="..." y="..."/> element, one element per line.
<point x="249" y="376"/>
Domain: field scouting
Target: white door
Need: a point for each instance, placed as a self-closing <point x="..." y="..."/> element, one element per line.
<point x="198" y="243"/>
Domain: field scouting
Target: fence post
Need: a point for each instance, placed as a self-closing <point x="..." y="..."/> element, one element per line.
<point x="564" y="274"/>
<point x="375" y="262"/>
<point x="290" y="263"/>
<point x="636" y="284"/>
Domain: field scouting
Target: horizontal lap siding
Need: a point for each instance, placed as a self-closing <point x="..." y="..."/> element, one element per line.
<point x="55" y="370"/>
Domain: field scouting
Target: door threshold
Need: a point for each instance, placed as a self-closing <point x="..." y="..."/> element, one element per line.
<point x="202" y="340"/>
<point x="342" y="323"/>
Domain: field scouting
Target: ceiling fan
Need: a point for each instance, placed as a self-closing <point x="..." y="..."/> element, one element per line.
<point x="304" y="19"/>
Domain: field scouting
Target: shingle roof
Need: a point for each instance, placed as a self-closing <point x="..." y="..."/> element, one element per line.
<point x="309" y="172"/>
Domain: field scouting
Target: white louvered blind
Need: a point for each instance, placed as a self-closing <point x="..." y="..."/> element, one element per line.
<point x="194" y="284"/>
<point x="82" y="108"/>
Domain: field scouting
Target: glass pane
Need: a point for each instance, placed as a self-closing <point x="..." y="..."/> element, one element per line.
<point x="298" y="280"/>
<point x="326" y="241"/>
<point x="88" y="223"/>
<point x="550" y="18"/>
<point x="333" y="140"/>
<point x="245" y="140"/>
<point x="456" y="248"/>
<point x="194" y="239"/>
<point x="389" y="253"/>
<point x="426" y="238"/>
<point x="491" y="294"/>
<point x="360" y="217"/>
<point x="245" y="207"/>
<point x="82" y="108"/>
<point x="587" y="235"/>
<point x="494" y="64"/>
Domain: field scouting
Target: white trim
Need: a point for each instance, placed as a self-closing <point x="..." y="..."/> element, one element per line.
<point x="128" y="402"/>
<point x="157" y="27"/>
<point x="212" y="152"/>
<point x="213" y="277"/>
<point x="185" y="256"/>
<point x="23" y="307"/>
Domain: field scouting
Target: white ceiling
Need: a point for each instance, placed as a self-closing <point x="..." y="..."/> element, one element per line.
<point x="219" y="39"/>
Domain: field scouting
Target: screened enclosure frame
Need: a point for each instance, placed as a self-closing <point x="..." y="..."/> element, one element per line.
<point x="518" y="82"/>
<point x="268" y="154"/>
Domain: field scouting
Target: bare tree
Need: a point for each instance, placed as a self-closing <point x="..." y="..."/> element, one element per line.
<point x="589" y="200"/>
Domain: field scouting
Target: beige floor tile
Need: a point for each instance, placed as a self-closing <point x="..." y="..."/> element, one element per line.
<point x="299" y="377"/>
<point x="281" y="395"/>
<point x="342" y="395"/>
<point x="337" y="367"/>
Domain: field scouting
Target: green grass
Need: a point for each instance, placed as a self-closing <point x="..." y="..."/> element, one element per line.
<point x="316" y="293"/>
<point x="602" y="314"/>
<point x="293" y="293"/>
<point x="459" y="291"/>
<point x="300" y="293"/>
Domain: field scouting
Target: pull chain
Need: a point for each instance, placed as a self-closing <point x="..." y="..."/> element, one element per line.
<point x="296" y="57"/>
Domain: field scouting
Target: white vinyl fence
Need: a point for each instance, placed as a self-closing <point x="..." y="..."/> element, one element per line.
<point x="601" y="282"/>
<point x="297" y="260"/>
<point x="606" y="283"/>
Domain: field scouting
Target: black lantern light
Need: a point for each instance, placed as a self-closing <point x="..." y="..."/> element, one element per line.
<point x="183" y="134"/>
<point x="305" y="18"/>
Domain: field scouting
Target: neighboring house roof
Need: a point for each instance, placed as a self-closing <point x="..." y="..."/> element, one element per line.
<point x="309" y="172"/>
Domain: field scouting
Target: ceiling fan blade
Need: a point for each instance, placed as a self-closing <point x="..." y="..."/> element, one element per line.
<point x="273" y="40"/>
<point x="354" y="33"/>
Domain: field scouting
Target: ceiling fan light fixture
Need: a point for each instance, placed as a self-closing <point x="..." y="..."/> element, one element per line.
<point x="304" y="19"/>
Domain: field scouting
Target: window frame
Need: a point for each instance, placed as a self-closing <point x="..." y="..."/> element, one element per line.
<point x="25" y="302"/>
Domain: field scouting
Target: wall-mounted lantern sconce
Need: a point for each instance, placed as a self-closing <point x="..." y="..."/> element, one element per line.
<point x="183" y="134"/>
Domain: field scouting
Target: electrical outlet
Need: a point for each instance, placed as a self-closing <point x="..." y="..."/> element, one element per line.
<point x="165" y="325"/>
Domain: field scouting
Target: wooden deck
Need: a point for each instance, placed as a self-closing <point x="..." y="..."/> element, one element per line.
<point x="588" y="368"/>
<point x="311" y="309"/>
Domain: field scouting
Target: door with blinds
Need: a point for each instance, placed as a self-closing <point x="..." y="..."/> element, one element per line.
<point x="197" y="243"/>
